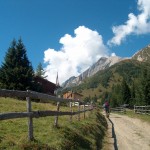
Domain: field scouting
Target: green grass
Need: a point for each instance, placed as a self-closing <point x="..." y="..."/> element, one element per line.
<point x="142" y="117"/>
<point x="130" y="113"/>
<point x="85" y="134"/>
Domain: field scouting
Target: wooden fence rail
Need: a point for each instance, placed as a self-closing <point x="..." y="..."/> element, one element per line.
<point x="142" y="109"/>
<point x="29" y="95"/>
<point x="33" y="95"/>
<point x="119" y="109"/>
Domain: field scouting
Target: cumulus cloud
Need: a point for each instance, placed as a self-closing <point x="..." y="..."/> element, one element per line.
<point x="137" y="25"/>
<point x="77" y="53"/>
<point x="113" y="54"/>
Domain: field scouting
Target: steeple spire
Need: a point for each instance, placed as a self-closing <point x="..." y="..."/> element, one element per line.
<point x="57" y="81"/>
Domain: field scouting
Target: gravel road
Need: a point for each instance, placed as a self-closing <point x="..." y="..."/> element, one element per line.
<point x="129" y="133"/>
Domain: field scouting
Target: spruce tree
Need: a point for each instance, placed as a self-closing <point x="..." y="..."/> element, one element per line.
<point x="141" y="90"/>
<point x="126" y="94"/>
<point x="16" y="71"/>
<point x="139" y="94"/>
<point x="146" y="87"/>
<point x="132" y="100"/>
<point x="40" y="71"/>
<point x="116" y="95"/>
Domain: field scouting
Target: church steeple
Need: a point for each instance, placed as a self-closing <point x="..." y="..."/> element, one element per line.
<point x="57" y="81"/>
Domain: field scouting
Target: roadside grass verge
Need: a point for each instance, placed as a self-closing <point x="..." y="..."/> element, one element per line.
<point x="130" y="113"/>
<point x="142" y="117"/>
<point x="85" y="134"/>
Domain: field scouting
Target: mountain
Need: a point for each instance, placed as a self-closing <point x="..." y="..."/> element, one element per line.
<point x="67" y="81"/>
<point x="131" y="75"/>
<point x="109" y="81"/>
<point x="143" y="54"/>
<point x="101" y="64"/>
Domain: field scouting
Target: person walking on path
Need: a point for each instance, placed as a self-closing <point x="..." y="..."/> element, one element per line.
<point x="106" y="108"/>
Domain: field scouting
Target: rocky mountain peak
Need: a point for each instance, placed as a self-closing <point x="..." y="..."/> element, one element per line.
<point x="143" y="54"/>
<point x="101" y="64"/>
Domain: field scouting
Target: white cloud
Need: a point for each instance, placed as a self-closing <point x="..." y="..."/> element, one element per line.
<point x="76" y="54"/>
<point x="113" y="54"/>
<point x="139" y="24"/>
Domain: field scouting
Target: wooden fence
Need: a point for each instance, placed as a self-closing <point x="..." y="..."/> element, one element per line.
<point x="29" y="95"/>
<point x="119" y="109"/>
<point x="142" y="109"/>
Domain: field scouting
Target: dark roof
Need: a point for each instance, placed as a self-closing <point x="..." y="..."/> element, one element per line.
<point x="47" y="86"/>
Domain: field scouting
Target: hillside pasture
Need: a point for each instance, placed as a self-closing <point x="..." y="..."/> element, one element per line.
<point x="14" y="132"/>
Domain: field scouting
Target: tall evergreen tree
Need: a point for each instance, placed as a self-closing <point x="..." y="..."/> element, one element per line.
<point x="126" y="94"/>
<point x="139" y="94"/>
<point x="132" y="100"/>
<point x="40" y="71"/>
<point x="146" y="87"/>
<point x="141" y="89"/>
<point x="116" y="95"/>
<point x="16" y="71"/>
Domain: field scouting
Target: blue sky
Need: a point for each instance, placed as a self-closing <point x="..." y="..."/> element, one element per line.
<point x="68" y="36"/>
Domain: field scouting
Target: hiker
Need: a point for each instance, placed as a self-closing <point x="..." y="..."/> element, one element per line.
<point x="106" y="108"/>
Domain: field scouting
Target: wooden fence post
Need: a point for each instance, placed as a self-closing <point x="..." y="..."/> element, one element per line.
<point x="79" y="111"/>
<point x="30" y="120"/>
<point x="124" y="109"/>
<point x="84" y="110"/>
<point x="56" y="117"/>
<point x="71" y="111"/>
<point x="91" y="107"/>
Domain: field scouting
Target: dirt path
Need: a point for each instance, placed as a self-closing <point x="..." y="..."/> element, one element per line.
<point x="129" y="133"/>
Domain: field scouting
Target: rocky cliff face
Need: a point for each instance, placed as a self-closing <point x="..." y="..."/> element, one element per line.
<point x="143" y="54"/>
<point x="101" y="64"/>
<point x="67" y="82"/>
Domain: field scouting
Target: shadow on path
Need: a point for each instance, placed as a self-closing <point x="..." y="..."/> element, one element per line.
<point x="114" y="135"/>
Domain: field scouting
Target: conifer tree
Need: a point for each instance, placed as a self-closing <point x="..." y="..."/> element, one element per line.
<point x="146" y="87"/>
<point x="40" y="71"/>
<point x="141" y="89"/>
<point x="116" y="95"/>
<point x="132" y="100"/>
<point x="126" y="94"/>
<point x="139" y="95"/>
<point x="16" y="71"/>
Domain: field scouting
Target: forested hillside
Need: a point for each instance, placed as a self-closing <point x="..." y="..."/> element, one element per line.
<point x="127" y="82"/>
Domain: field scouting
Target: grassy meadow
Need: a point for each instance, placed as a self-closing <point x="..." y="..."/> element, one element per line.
<point x="85" y="134"/>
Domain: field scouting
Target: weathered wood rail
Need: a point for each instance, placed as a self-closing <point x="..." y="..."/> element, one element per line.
<point x="29" y="95"/>
<point x="119" y="109"/>
<point x="142" y="109"/>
